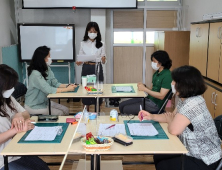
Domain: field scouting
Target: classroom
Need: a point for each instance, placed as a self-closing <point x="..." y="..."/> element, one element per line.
<point x="121" y="85"/>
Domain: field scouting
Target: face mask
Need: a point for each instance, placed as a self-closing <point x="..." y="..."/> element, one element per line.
<point x="92" y="36"/>
<point x="154" y="66"/>
<point x="8" y="93"/>
<point x="49" y="62"/>
<point x="173" y="89"/>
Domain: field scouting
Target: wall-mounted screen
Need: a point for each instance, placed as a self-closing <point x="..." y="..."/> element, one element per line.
<point x="59" y="37"/>
<point x="80" y="4"/>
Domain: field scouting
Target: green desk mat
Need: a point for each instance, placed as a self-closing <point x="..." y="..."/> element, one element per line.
<point x="114" y="89"/>
<point x="161" y="133"/>
<point x="76" y="89"/>
<point x="57" y="139"/>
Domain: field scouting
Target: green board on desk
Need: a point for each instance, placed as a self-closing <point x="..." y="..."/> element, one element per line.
<point x="75" y="91"/>
<point x="115" y="89"/>
<point x="58" y="138"/>
<point x="161" y="133"/>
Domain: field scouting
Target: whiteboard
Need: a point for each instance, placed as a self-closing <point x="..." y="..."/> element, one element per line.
<point x="80" y="3"/>
<point x="59" y="38"/>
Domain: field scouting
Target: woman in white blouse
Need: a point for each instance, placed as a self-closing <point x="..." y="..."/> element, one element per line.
<point x="92" y="45"/>
<point x="191" y="121"/>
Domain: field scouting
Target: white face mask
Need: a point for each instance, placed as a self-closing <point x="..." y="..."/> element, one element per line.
<point x="92" y="36"/>
<point x="8" y="93"/>
<point x="49" y="62"/>
<point x="154" y="66"/>
<point x="173" y="89"/>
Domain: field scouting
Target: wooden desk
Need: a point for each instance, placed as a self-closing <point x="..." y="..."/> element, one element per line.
<point x="17" y="149"/>
<point x="107" y="93"/>
<point x="160" y="146"/>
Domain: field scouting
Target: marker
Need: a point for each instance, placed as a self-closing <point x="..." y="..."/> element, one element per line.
<point x="141" y="114"/>
<point x="111" y="126"/>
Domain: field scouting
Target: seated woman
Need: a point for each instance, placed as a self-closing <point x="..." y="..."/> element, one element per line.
<point x="14" y="119"/>
<point x="161" y="85"/>
<point x="191" y="121"/>
<point x="41" y="83"/>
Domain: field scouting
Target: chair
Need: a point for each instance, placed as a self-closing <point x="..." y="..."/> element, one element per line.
<point x="20" y="91"/>
<point x="218" y="124"/>
<point x="162" y="109"/>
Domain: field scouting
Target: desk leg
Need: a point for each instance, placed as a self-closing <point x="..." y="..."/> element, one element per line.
<point x="92" y="162"/>
<point x="97" y="162"/>
<point x="49" y="106"/>
<point x="183" y="161"/>
<point x="6" y="163"/>
<point x="97" y="109"/>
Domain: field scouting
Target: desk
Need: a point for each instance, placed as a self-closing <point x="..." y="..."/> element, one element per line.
<point x="107" y="93"/>
<point x="161" y="146"/>
<point x="17" y="149"/>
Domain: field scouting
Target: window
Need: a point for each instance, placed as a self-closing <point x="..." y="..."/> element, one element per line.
<point x="150" y="37"/>
<point x="128" y="37"/>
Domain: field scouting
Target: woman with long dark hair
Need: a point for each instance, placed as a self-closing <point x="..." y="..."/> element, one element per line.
<point x="92" y="45"/>
<point x="14" y="119"/>
<point x="192" y="122"/>
<point x="43" y="82"/>
<point x="161" y="84"/>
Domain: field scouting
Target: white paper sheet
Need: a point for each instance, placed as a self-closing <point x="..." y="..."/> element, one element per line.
<point x="43" y="133"/>
<point x="82" y="129"/>
<point x="118" y="128"/>
<point x="84" y="58"/>
<point x="142" y="129"/>
<point x="123" y="88"/>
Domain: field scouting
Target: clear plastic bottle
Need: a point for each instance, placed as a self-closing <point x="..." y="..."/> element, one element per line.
<point x="86" y="116"/>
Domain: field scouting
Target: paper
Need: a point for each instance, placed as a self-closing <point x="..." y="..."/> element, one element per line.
<point x="84" y="58"/>
<point x="82" y="129"/>
<point x="142" y="129"/>
<point x="123" y="88"/>
<point x="44" y="133"/>
<point x="118" y="128"/>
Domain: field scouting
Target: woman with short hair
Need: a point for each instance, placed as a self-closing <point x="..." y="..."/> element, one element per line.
<point x="192" y="122"/>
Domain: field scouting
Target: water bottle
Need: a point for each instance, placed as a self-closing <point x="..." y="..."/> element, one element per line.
<point x="86" y="116"/>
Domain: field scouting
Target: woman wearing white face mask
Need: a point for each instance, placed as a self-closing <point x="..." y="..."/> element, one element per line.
<point x="92" y="45"/>
<point x="192" y="122"/>
<point x="43" y="82"/>
<point x="161" y="86"/>
<point x="14" y="119"/>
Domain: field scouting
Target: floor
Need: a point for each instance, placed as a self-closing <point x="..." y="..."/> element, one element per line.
<point x="140" y="161"/>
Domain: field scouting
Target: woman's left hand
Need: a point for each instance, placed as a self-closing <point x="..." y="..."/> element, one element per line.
<point x="141" y="87"/>
<point x="169" y="117"/>
<point x="18" y="122"/>
<point x="103" y="59"/>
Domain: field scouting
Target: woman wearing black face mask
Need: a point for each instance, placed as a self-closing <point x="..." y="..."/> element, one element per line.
<point x="92" y="45"/>
<point x="14" y="119"/>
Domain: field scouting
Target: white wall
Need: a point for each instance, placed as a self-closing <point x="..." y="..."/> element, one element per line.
<point x="7" y="24"/>
<point x="197" y="8"/>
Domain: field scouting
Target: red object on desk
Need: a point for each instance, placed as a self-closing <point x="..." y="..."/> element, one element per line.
<point x="111" y="126"/>
<point x="70" y="120"/>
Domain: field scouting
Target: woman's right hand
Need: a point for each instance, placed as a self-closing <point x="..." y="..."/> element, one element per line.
<point x="78" y="63"/>
<point x="144" y="115"/>
<point x="71" y="87"/>
<point x="27" y="126"/>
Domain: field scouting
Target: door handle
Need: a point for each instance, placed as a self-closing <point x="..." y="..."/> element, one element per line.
<point x="212" y="95"/>
<point x="215" y="97"/>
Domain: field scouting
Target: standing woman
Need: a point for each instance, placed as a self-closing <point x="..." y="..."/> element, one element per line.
<point x="192" y="122"/>
<point x="42" y="82"/>
<point x="92" y="45"/>
<point x="14" y="119"/>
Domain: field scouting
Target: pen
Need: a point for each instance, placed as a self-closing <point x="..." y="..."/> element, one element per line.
<point x="33" y="122"/>
<point x="67" y="85"/>
<point x="111" y="126"/>
<point x="141" y="113"/>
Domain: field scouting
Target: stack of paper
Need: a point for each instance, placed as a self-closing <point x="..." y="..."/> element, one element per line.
<point x="43" y="133"/>
<point x="123" y="88"/>
<point x="142" y="129"/>
<point x="118" y="128"/>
